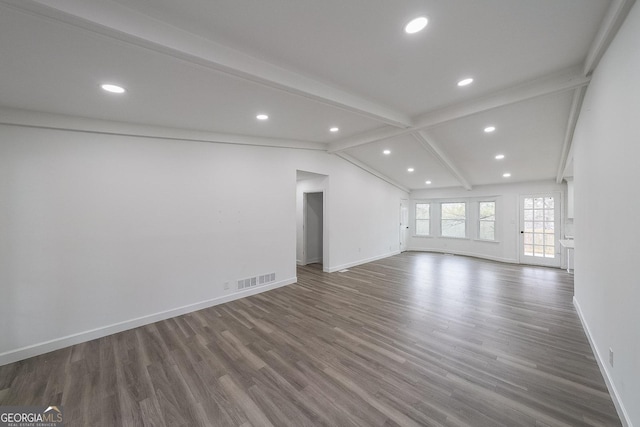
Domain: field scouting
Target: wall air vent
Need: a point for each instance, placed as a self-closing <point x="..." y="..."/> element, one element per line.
<point x="250" y="282"/>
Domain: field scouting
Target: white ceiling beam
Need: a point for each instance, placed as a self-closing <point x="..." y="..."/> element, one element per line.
<point x="114" y="20"/>
<point x="616" y="14"/>
<point x="555" y="83"/>
<point x="34" y="119"/>
<point x="569" y="166"/>
<point x="372" y="171"/>
<point x="380" y="134"/>
<point x="574" y="113"/>
<point x="434" y="149"/>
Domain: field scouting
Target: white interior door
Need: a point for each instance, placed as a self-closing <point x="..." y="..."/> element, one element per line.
<point x="540" y="229"/>
<point x="404" y="224"/>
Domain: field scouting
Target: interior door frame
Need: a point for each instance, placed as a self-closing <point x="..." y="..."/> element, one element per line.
<point x="558" y="227"/>
<point x="324" y="227"/>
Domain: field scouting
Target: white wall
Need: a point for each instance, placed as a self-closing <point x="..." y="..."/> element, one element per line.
<point x="507" y="198"/>
<point x="606" y="176"/>
<point x="100" y="233"/>
<point x="364" y="216"/>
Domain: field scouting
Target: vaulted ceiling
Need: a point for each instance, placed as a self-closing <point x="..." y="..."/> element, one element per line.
<point x="212" y="66"/>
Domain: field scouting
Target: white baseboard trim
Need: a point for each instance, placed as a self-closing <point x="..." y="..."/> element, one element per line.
<point x="314" y="260"/>
<point x="12" y="356"/>
<point x="362" y="261"/>
<point x="622" y="412"/>
<point x="299" y="262"/>
<point x="469" y="254"/>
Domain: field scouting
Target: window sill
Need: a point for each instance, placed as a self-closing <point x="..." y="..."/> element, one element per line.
<point x="418" y="236"/>
<point x="421" y="236"/>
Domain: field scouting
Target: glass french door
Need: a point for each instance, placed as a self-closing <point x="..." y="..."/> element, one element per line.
<point x="540" y="229"/>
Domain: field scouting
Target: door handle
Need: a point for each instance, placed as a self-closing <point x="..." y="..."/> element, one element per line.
<point x="521" y="232"/>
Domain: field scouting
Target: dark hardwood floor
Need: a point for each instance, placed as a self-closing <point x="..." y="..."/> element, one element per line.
<point x="415" y="339"/>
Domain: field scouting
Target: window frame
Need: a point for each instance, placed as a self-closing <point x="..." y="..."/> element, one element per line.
<point x="416" y="219"/>
<point x="472" y="218"/>
<point x="466" y="218"/>
<point x="494" y="221"/>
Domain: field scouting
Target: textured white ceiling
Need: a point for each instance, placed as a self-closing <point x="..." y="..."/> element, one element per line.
<point x="406" y="151"/>
<point x="360" y="45"/>
<point x="528" y="133"/>
<point x="213" y="65"/>
<point x="54" y="67"/>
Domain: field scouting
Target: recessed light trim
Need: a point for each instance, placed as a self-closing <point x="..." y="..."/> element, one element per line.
<point x="262" y="117"/>
<point x="334" y="129"/>
<point x="410" y="169"/>
<point x="490" y="129"/>
<point x="428" y="182"/>
<point x="499" y="156"/>
<point x="111" y="88"/>
<point x="416" y="25"/>
<point x="465" y="82"/>
<point x="506" y="175"/>
<point x="387" y="152"/>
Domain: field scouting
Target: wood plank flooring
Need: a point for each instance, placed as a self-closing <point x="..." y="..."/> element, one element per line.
<point x="416" y="339"/>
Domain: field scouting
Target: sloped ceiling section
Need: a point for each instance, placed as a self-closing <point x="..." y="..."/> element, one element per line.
<point x="206" y="66"/>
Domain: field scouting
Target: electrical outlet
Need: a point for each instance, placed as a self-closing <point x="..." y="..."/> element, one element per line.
<point x="226" y="286"/>
<point x="611" y="357"/>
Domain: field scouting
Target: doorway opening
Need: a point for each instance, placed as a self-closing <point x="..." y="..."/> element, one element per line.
<point x="312" y="246"/>
<point x="313" y="227"/>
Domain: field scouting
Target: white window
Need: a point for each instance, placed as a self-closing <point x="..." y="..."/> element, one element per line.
<point x="423" y="219"/>
<point x="453" y="219"/>
<point x="487" y="220"/>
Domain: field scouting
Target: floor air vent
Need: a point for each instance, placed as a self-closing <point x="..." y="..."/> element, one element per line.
<point x="250" y="282"/>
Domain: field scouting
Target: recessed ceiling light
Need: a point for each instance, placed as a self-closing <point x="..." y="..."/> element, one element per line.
<point x="112" y="88"/>
<point x="262" y="117"/>
<point x="506" y="175"/>
<point x="499" y="156"/>
<point x="334" y="129"/>
<point x="416" y="25"/>
<point x="386" y="152"/>
<point x="465" y="82"/>
<point x="428" y="182"/>
<point x="489" y="129"/>
<point x="410" y="170"/>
